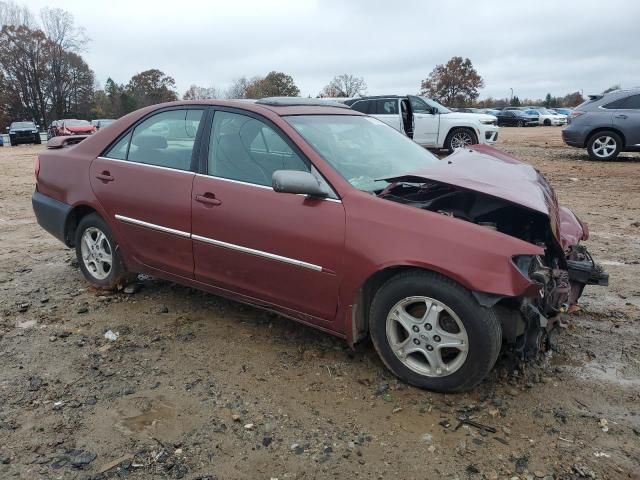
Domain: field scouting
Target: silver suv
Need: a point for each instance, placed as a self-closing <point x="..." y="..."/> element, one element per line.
<point x="606" y="124"/>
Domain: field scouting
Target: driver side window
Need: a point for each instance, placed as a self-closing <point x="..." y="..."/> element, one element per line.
<point x="419" y="106"/>
<point x="248" y="150"/>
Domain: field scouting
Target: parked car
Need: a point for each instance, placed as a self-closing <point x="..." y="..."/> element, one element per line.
<point x="563" y="111"/>
<point x="427" y="122"/>
<point x="606" y="124"/>
<point x="102" y="122"/>
<point x="547" y="117"/>
<point x="23" y="132"/>
<point x="330" y="217"/>
<point x="1" y="140"/>
<point x="70" y="126"/>
<point x="465" y="110"/>
<point x="516" y="118"/>
<point x="489" y="111"/>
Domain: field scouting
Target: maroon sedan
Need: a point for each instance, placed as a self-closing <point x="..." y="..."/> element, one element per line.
<point x="331" y="218"/>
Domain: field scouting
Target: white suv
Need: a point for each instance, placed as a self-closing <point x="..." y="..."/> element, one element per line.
<point x="427" y="122"/>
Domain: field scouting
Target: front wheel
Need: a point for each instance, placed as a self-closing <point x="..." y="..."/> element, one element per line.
<point x="520" y="123"/>
<point x="460" y="138"/>
<point x="98" y="254"/>
<point x="604" y="145"/>
<point x="431" y="332"/>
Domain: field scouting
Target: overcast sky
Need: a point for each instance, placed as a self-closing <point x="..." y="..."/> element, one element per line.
<point x="534" y="47"/>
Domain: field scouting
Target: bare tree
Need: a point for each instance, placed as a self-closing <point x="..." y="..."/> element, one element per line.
<point x="14" y="15"/>
<point x="65" y="39"/>
<point x="238" y="88"/>
<point x="201" y="93"/>
<point x="345" y="85"/>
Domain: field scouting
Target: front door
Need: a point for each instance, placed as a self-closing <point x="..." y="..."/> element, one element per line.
<point x="279" y="248"/>
<point x="426" y="122"/>
<point x="144" y="183"/>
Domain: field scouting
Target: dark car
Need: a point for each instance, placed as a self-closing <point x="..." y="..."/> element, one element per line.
<point x="23" y="132"/>
<point x="330" y="217"/>
<point x="606" y="124"/>
<point x="516" y="118"/>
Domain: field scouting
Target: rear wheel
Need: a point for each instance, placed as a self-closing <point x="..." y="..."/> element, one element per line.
<point x="605" y="145"/>
<point x="520" y="123"/>
<point x="460" y="138"/>
<point x="98" y="254"/>
<point x="547" y="122"/>
<point x="432" y="333"/>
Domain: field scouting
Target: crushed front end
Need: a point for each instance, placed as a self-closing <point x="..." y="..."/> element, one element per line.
<point x="497" y="191"/>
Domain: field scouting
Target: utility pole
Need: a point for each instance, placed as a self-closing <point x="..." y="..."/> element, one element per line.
<point x="511" y="97"/>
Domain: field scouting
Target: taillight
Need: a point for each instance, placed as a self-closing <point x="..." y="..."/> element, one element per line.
<point x="575" y="114"/>
<point x="37" y="167"/>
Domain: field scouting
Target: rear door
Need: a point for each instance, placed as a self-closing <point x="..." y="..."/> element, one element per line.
<point x="144" y="183"/>
<point x="278" y="248"/>
<point x="426" y="123"/>
<point x="627" y="119"/>
<point x="388" y="111"/>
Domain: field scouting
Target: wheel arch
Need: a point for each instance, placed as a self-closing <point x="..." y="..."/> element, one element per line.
<point x="470" y="128"/>
<point x="77" y="213"/>
<point x="606" y="129"/>
<point x="364" y="295"/>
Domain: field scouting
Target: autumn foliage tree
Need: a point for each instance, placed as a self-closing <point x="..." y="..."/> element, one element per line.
<point x="455" y="83"/>
<point x="151" y="87"/>
<point x="275" y="84"/>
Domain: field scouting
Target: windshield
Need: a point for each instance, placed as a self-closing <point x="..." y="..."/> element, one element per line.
<point x="433" y="103"/>
<point x="363" y="149"/>
<point x="22" y="125"/>
<point x="76" y="123"/>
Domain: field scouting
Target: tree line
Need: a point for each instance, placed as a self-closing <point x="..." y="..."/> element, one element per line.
<point x="43" y="77"/>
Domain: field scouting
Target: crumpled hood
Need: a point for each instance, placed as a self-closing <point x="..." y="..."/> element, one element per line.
<point x="80" y="128"/>
<point x="487" y="170"/>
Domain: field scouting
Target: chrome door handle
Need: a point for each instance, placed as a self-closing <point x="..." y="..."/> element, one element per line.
<point x="621" y="116"/>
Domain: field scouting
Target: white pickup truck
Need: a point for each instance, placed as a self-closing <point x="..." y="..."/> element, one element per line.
<point x="427" y="122"/>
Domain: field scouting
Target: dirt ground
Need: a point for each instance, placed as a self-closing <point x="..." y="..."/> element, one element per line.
<point x="198" y="387"/>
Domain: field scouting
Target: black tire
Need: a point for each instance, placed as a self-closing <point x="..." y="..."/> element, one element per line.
<point x="448" y="143"/>
<point x="547" y="122"/>
<point x="592" y="146"/>
<point x="38" y="140"/>
<point x="117" y="274"/>
<point x="520" y="123"/>
<point x="482" y="327"/>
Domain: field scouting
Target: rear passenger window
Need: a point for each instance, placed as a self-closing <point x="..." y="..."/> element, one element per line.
<point x="165" y="139"/>
<point x="631" y="103"/>
<point x="387" y="107"/>
<point x="361" y="106"/>
<point x="248" y="150"/>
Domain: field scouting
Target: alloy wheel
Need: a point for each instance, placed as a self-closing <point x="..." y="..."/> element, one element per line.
<point x="96" y="253"/>
<point x="604" y="146"/>
<point x="461" y="140"/>
<point x="427" y="336"/>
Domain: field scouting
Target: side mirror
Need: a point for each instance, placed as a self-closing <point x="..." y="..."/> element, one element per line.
<point x="434" y="110"/>
<point x="295" y="181"/>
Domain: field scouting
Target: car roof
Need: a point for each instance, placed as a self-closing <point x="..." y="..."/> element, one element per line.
<point x="278" y="105"/>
